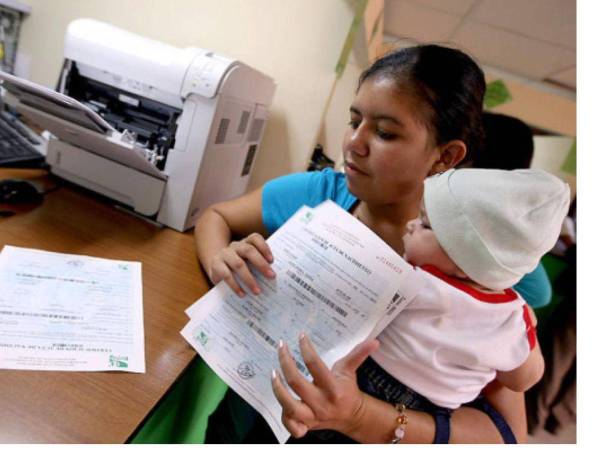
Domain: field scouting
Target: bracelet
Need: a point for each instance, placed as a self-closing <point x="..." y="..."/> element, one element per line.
<point x="401" y="423"/>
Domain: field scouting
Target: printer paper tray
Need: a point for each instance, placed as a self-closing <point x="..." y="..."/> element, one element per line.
<point x="140" y="191"/>
<point x="91" y="141"/>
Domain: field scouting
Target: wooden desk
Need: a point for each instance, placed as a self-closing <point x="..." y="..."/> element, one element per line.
<point x="88" y="407"/>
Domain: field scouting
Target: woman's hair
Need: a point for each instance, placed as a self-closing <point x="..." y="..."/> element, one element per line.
<point x="447" y="81"/>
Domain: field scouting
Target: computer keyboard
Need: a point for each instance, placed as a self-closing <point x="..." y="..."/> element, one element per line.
<point x="17" y="143"/>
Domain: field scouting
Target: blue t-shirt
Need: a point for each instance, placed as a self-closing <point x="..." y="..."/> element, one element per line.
<point x="283" y="196"/>
<point x="535" y="287"/>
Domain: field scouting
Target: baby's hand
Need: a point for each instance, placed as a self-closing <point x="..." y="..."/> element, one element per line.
<point x="233" y="259"/>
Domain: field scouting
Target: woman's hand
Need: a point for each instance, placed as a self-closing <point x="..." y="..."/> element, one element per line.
<point x="332" y="401"/>
<point x="234" y="259"/>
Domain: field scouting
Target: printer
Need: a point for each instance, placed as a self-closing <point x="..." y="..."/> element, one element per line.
<point x="165" y="131"/>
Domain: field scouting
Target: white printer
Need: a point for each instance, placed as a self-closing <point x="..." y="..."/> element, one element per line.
<point x="174" y="130"/>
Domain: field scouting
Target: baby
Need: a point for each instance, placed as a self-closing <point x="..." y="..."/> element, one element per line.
<point x="479" y="232"/>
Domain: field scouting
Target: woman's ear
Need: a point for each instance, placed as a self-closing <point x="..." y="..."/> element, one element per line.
<point x="450" y="154"/>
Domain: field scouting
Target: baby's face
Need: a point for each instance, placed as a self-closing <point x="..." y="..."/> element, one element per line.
<point x="421" y="247"/>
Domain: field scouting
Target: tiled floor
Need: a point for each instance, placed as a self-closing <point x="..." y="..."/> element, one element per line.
<point x="566" y="436"/>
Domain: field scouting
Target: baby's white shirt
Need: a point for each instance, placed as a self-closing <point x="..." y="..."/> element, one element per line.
<point x="448" y="343"/>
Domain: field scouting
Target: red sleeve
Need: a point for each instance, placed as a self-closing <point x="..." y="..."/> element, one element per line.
<point x="529" y="327"/>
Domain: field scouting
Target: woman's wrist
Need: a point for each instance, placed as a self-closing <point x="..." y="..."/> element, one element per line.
<point x="376" y="422"/>
<point x="352" y="427"/>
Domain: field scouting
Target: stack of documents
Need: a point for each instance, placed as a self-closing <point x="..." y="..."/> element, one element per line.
<point x="336" y="281"/>
<point x="70" y="312"/>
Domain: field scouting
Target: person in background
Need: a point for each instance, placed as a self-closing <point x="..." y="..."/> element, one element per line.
<point x="416" y="113"/>
<point x="508" y="144"/>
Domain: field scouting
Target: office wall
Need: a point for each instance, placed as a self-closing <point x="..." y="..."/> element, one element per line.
<point x="541" y="109"/>
<point x="550" y="153"/>
<point x="337" y="115"/>
<point x="295" y="42"/>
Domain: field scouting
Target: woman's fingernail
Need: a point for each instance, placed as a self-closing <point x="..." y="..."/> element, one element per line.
<point x="271" y="274"/>
<point x="256" y="291"/>
<point x="273" y="374"/>
<point x="302" y="335"/>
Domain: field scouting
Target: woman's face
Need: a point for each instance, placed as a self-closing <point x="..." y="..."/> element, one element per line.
<point x="388" y="150"/>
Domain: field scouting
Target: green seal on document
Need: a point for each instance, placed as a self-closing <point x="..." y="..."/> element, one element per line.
<point x="119" y="362"/>
<point x="202" y="337"/>
<point x="307" y="217"/>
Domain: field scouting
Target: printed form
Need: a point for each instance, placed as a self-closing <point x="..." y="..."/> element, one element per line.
<point x="70" y="312"/>
<point x="336" y="281"/>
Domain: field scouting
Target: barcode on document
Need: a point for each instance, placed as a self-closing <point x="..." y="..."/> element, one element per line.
<point x="47" y="316"/>
<point x="272" y="343"/>
<point x="262" y="333"/>
<point x="317" y="294"/>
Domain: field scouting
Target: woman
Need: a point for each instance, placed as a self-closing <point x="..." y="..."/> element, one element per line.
<point x="417" y="111"/>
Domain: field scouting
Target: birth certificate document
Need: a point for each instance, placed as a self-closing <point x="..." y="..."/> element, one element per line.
<point x="335" y="280"/>
<point x="70" y="312"/>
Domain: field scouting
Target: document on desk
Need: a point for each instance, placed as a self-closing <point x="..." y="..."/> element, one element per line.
<point x="336" y="280"/>
<point x="70" y="312"/>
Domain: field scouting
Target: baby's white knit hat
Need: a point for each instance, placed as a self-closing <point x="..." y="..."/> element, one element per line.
<point x="496" y="224"/>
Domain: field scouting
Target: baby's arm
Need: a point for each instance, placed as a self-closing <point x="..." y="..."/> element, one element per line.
<point x="527" y="374"/>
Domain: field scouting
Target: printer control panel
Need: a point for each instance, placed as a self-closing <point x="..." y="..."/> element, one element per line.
<point x="204" y="75"/>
